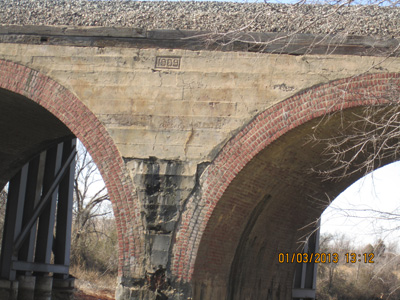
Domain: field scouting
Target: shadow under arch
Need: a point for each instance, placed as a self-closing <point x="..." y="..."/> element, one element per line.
<point x="220" y="249"/>
<point x="25" y="85"/>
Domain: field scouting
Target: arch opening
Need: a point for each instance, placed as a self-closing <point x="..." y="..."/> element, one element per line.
<point x="37" y="158"/>
<point x="266" y="196"/>
<point x="269" y="208"/>
<point x="26" y="130"/>
<point x="36" y="113"/>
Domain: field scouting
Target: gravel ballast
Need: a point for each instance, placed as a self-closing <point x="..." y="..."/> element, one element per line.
<point x="206" y="16"/>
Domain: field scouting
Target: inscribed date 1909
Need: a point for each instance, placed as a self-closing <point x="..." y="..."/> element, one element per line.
<point x="168" y="62"/>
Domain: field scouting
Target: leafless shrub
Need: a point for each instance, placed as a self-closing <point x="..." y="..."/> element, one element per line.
<point x="350" y="278"/>
<point x="94" y="236"/>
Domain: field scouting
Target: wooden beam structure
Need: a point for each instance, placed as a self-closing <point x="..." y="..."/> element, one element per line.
<point x="39" y="203"/>
<point x="268" y="42"/>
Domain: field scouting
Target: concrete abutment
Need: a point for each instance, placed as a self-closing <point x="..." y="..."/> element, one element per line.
<point x="8" y="289"/>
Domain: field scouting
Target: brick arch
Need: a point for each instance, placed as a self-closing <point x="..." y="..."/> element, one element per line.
<point x="83" y="123"/>
<point x="263" y="130"/>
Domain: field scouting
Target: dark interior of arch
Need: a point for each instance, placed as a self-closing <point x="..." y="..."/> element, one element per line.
<point x="26" y="129"/>
<point x="262" y="212"/>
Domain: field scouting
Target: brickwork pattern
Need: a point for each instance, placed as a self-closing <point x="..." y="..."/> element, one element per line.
<point x="84" y="124"/>
<point x="264" y="129"/>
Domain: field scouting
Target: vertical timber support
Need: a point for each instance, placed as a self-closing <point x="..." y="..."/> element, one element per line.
<point x="13" y="222"/>
<point x="33" y="190"/>
<point x="62" y="244"/>
<point x="39" y="204"/>
<point x="305" y="278"/>
<point x="63" y="285"/>
<point x="44" y="241"/>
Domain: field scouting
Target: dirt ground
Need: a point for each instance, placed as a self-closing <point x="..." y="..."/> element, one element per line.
<point x="80" y="295"/>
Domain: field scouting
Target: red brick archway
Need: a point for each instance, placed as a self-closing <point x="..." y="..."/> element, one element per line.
<point x="83" y="123"/>
<point x="263" y="130"/>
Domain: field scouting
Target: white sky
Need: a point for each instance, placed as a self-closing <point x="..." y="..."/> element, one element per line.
<point x="378" y="191"/>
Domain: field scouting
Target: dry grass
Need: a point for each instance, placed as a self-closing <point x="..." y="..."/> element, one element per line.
<point x="93" y="282"/>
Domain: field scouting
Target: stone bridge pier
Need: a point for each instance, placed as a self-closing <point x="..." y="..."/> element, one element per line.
<point x="204" y="150"/>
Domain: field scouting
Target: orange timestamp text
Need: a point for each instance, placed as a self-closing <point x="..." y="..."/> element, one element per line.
<point x="323" y="258"/>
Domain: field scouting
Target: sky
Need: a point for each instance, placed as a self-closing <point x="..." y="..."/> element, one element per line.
<point x="354" y="211"/>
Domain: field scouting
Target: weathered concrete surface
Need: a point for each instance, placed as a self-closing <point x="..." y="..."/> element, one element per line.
<point x="182" y="114"/>
<point x="171" y="113"/>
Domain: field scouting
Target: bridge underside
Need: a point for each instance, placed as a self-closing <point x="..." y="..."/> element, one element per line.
<point x="269" y="208"/>
<point x="26" y="129"/>
<point x="37" y="159"/>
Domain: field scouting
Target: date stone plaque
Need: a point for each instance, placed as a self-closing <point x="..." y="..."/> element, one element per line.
<point x="168" y="62"/>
